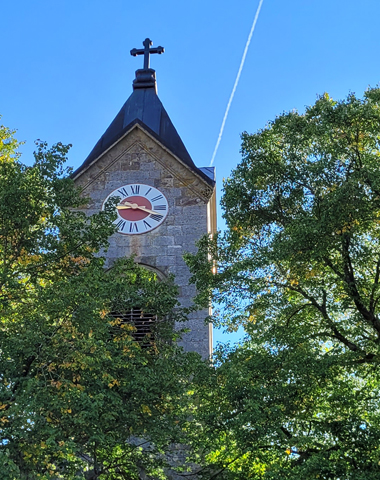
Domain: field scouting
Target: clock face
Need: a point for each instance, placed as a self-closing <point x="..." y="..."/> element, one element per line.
<point x="141" y="208"/>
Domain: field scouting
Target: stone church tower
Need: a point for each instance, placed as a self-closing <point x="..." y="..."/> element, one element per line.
<point x="166" y="202"/>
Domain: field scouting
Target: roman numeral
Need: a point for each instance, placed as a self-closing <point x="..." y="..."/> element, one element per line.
<point x="147" y="225"/>
<point x="133" y="226"/>
<point x="157" y="198"/>
<point x="160" y="207"/>
<point x="121" y="224"/>
<point x="156" y="217"/>
<point x="135" y="189"/>
<point x="123" y="191"/>
<point x="146" y="193"/>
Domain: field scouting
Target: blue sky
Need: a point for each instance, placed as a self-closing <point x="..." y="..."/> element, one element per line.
<point x="66" y="67"/>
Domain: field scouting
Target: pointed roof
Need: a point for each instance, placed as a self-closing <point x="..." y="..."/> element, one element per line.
<point x="144" y="107"/>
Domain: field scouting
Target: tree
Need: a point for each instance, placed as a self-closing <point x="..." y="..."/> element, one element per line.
<point x="77" y="392"/>
<point x="299" y="269"/>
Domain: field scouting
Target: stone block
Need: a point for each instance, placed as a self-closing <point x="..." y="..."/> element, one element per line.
<point x="163" y="241"/>
<point x="167" y="182"/>
<point x="165" y="260"/>
<point x="175" y="250"/>
<point x="174" y="230"/>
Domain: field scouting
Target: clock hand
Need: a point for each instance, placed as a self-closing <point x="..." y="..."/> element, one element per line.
<point x="125" y="205"/>
<point x="144" y="209"/>
<point x="134" y="206"/>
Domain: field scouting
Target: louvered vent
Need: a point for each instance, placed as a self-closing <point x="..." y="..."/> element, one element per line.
<point x="143" y="323"/>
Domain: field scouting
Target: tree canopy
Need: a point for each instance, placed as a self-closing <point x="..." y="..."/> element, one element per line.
<point x="299" y="269"/>
<point x="77" y="393"/>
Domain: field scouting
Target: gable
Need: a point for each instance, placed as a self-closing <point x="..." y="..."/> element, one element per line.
<point x="134" y="151"/>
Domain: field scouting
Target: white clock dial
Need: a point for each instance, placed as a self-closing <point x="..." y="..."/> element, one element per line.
<point x="141" y="208"/>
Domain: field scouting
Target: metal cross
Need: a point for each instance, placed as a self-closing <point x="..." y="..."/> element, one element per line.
<point x="146" y="51"/>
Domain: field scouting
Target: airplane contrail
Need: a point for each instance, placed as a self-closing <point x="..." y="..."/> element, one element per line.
<point x="236" y="81"/>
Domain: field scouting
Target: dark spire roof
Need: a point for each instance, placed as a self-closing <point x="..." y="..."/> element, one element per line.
<point x="144" y="107"/>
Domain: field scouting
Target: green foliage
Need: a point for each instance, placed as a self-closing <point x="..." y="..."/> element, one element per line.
<point x="299" y="269"/>
<point x="77" y="393"/>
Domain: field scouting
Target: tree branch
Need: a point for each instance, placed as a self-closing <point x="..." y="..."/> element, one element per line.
<point x="372" y="302"/>
<point x="329" y="263"/>
<point x="297" y="311"/>
<point x="351" y="288"/>
<point x="323" y="310"/>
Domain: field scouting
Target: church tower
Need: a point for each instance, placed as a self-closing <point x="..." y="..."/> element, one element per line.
<point x="166" y="202"/>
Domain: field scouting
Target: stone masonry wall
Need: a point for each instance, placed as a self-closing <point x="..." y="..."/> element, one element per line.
<point x="139" y="158"/>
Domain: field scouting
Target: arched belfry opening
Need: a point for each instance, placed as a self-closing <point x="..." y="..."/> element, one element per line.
<point x="143" y="323"/>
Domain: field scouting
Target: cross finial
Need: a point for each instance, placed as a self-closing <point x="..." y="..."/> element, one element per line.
<point x="146" y="51"/>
